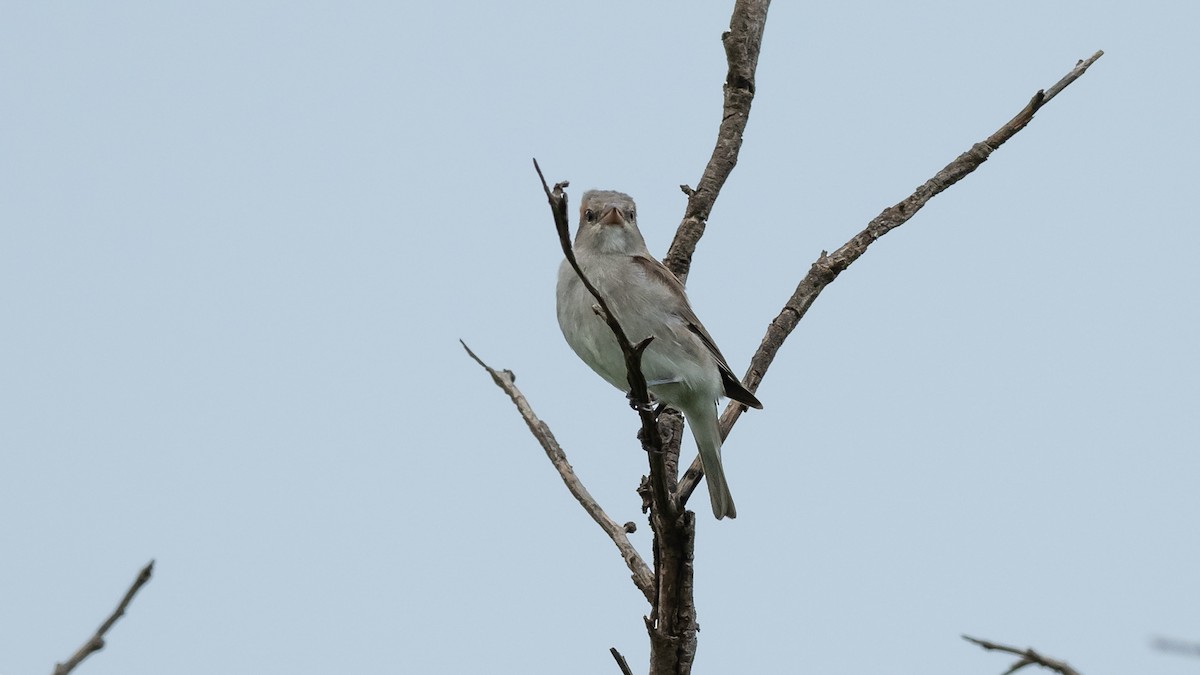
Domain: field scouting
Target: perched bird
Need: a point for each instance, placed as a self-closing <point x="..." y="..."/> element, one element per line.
<point x="682" y="365"/>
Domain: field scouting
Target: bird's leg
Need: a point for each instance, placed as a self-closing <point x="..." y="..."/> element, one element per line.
<point x="644" y="407"/>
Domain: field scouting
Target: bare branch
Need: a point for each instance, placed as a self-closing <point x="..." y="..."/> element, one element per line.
<point x="504" y="379"/>
<point x="827" y="267"/>
<point x="621" y="662"/>
<point x="96" y="642"/>
<point x="742" y="44"/>
<point x="1029" y="657"/>
<point x="672" y="624"/>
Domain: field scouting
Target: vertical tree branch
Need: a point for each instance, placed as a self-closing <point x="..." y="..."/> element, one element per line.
<point x="742" y="44"/>
<point x="672" y="623"/>
<point x="672" y="626"/>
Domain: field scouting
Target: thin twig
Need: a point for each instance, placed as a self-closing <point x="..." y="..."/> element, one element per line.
<point x="621" y="662"/>
<point x="96" y="642"/>
<point x="827" y="267"/>
<point x="742" y="44"/>
<point x="672" y="623"/>
<point x="1029" y="657"/>
<point x="642" y="577"/>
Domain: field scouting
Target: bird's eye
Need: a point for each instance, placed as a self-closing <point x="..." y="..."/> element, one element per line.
<point x="588" y="215"/>
<point x="632" y="214"/>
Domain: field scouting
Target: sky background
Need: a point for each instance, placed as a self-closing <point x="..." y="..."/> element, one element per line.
<point x="239" y="243"/>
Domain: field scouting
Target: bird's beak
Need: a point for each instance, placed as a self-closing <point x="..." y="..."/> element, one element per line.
<point x="612" y="216"/>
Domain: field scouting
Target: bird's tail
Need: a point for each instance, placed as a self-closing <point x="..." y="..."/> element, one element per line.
<point x="708" y="439"/>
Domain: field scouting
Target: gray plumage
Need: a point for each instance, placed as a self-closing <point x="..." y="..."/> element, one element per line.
<point x="683" y="366"/>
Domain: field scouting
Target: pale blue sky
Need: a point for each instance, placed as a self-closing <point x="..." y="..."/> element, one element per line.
<point x="240" y="241"/>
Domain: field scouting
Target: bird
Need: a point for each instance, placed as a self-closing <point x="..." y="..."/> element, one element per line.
<point x="683" y="366"/>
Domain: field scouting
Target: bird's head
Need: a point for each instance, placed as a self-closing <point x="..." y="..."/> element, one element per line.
<point x="608" y="223"/>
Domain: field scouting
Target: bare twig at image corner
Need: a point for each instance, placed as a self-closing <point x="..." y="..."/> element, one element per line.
<point x="96" y="642"/>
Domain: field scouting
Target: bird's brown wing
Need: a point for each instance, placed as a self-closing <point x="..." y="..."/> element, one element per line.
<point x="732" y="385"/>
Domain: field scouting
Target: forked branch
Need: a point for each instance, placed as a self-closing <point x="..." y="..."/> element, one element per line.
<point x="828" y="266"/>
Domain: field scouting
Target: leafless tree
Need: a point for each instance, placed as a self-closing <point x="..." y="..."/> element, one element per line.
<point x="667" y="584"/>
